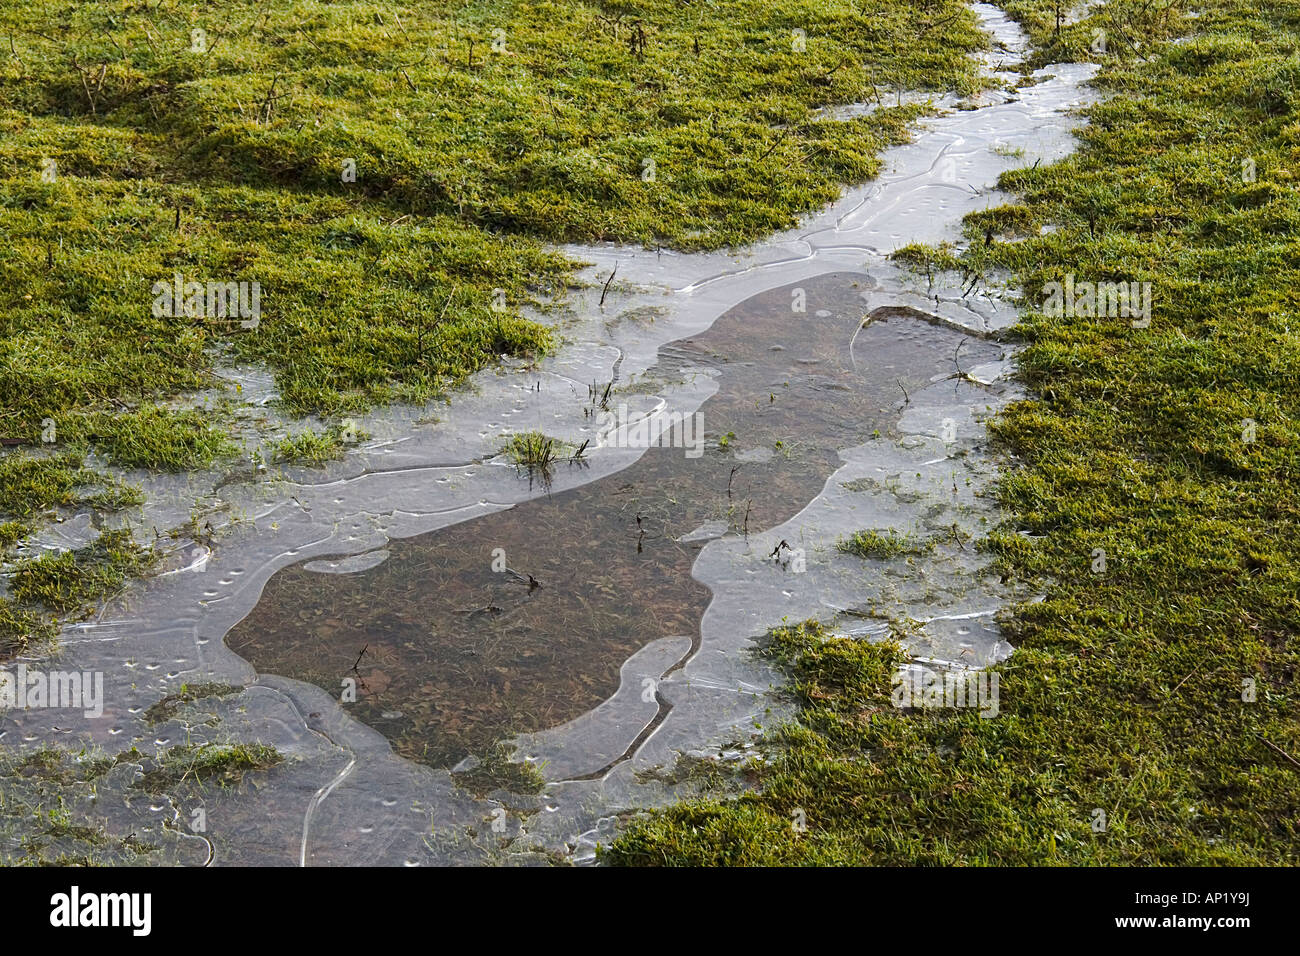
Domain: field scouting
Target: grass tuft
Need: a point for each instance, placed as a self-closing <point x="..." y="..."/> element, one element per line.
<point x="891" y="544"/>
<point x="70" y="580"/>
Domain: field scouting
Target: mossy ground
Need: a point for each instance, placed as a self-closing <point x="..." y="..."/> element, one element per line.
<point x="218" y="141"/>
<point x="1156" y="686"/>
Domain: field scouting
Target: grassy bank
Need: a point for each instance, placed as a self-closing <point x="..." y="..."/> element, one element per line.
<point x="1149" y="714"/>
<point x="388" y="176"/>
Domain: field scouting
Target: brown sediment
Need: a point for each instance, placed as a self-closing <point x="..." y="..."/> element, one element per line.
<point x="459" y="656"/>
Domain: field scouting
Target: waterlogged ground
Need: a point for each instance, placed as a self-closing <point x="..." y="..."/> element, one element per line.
<point x="452" y="654"/>
<point x="620" y="638"/>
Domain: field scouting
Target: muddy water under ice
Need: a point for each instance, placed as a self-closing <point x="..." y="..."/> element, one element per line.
<point x="366" y="530"/>
<point x="451" y="653"/>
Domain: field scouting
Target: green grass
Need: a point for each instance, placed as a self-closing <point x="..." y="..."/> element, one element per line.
<point x="1125" y="693"/>
<point x="1129" y="29"/>
<point x="229" y="165"/>
<point x="69" y="580"/>
<point x="891" y="544"/>
<point x="11" y="533"/>
<point x="315" y="448"/>
<point x="29" y="486"/>
<point x="154" y="437"/>
<point x="33" y="486"/>
<point x="223" y="765"/>
<point x="23" y="630"/>
<point x="535" y="451"/>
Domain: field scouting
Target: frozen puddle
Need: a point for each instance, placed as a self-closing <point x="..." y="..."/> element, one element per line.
<point x="638" y="581"/>
<point x="522" y="619"/>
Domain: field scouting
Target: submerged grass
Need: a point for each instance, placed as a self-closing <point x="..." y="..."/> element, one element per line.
<point x="52" y="800"/>
<point x="23" y="630"/>
<point x="498" y="770"/>
<point x="1150" y="712"/>
<point x="44" y="797"/>
<point x="315" y="448"/>
<point x="169" y="706"/>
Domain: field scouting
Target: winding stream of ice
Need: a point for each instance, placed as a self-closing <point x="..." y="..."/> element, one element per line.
<point x="344" y="797"/>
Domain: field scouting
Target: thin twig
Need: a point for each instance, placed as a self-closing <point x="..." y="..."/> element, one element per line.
<point x="1274" y="747"/>
<point x="605" y="291"/>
